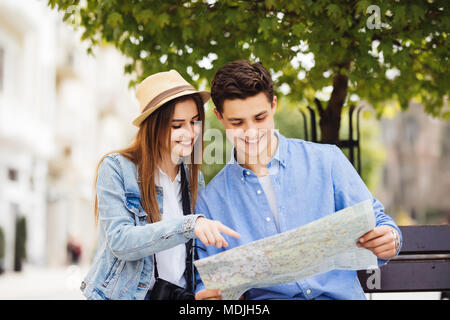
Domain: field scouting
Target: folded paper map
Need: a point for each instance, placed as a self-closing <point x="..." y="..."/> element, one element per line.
<point x="325" y="244"/>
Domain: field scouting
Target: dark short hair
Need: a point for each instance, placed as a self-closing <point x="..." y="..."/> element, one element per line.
<point x="240" y="80"/>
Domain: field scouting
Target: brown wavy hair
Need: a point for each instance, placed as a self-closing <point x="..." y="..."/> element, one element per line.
<point x="146" y="151"/>
<point x="240" y="80"/>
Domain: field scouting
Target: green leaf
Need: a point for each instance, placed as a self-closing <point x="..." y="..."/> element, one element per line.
<point x="144" y="16"/>
<point x="114" y="19"/>
<point x="333" y="10"/>
<point x="163" y="19"/>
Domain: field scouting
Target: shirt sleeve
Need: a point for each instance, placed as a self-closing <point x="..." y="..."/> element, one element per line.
<point x="349" y="189"/>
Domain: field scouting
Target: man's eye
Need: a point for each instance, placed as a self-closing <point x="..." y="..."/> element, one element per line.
<point x="261" y="119"/>
<point x="236" y="123"/>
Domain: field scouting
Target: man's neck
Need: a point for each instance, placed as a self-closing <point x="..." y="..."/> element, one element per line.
<point x="259" y="165"/>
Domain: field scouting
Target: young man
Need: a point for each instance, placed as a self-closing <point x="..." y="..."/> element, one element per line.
<point x="273" y="184"/>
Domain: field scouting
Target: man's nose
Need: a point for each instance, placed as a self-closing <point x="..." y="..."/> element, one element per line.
<point x="251" y="132"/>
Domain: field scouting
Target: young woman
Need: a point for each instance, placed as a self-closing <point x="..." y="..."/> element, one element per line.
<point x="145" y="196"/>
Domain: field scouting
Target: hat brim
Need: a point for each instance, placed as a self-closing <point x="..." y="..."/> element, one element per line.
<point x="205" y="95"/>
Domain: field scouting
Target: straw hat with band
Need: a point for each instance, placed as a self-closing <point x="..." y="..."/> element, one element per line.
<point x="159" y="88"/>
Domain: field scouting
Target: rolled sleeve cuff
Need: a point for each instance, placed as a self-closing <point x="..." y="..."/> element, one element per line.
<point x="382" y="262"/>
<point x="189" y="225"/>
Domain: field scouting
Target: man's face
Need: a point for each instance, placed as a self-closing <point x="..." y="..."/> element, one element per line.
<point x="249" y="124"/>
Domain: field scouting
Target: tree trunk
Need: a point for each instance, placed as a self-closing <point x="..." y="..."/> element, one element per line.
<point x="330" y="118"/>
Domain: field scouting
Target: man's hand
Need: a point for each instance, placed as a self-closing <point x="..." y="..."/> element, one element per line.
<point x="208" y="295"/>
<point x="381" y="241"/>
<point x="208" y="231"/>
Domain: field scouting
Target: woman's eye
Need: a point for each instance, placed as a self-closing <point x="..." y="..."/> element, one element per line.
<point x="236" y="123"/>
<point x="261" y="119"/>
<point x="176" y="127"/>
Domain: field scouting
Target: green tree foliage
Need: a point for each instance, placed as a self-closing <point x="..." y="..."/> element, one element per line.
<point x="398" y="52"/>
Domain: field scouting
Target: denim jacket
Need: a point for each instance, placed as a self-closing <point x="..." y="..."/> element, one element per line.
<point x="123" y="264"/>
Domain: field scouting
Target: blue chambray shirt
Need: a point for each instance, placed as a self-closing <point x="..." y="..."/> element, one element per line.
<point x="311" y="181"/>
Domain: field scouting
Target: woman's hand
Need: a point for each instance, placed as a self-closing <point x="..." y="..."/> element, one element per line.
<point x="208" y="231"/>
<point x="208" y="295"/>
<point x="381" y="241"/>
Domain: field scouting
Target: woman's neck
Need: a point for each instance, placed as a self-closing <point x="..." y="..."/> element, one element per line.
<point x="169" y="167"/>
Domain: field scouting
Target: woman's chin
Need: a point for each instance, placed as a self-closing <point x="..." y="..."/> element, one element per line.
<point x="181" y="153"/>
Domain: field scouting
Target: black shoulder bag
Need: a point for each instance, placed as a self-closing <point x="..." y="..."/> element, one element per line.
<point x="165" y="290"/>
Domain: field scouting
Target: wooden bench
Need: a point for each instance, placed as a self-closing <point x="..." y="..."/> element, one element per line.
<point x="423" y="263"/>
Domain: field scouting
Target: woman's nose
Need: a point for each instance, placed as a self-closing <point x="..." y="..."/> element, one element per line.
<point x="188" y="132"/>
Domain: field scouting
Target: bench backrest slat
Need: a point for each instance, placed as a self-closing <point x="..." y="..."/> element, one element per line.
<point x="404" y="276"/>
<point x="425" y="239"/>
<point x="423" y="263"/>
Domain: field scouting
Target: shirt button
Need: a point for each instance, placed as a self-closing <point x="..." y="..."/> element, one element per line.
<point x="242" y="178"/>
<point x="258" y="192"/>
<point x="247" y="172"/>
<point x="267" y="219"/>
<point x="308" y="291"/>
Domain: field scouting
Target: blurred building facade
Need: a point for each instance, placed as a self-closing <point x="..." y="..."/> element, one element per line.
<point x="416" y="175"/>
<point x="60" y="111"/>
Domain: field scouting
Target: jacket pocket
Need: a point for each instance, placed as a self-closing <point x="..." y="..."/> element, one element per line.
<point x="111" y="272"/>
<point x="133" y="204"/>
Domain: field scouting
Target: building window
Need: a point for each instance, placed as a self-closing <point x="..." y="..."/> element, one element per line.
<point x="445" y="141"/>
<point x="14" y="207"/>
<point x="2" y="68"/>
<point x="412" y="129"/>
<point x="386" y="177"/>
<point x="13" y="174"/>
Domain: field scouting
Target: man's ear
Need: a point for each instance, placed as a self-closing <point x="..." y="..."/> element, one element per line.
<point x="218" y="115"/>
<point x="274" y="104"/>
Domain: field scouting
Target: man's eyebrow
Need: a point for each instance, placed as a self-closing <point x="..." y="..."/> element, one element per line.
<point x="235" y="119"/>
<point x="260" y="114"/>
<point x="240" y="119"/>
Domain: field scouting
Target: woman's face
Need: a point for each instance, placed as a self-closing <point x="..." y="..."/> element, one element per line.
<point x="186" y="128"/>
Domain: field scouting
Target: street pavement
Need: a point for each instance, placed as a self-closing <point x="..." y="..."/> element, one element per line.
<point x="39" y="283"/>
<point x="63" y="283"/>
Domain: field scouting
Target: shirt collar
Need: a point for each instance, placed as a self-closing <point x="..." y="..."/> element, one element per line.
<point x="279" y="156"/>
<point x="177" y="178"/>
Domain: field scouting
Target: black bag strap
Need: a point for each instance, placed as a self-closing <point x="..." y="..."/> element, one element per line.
<point x="186" y="204"/>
